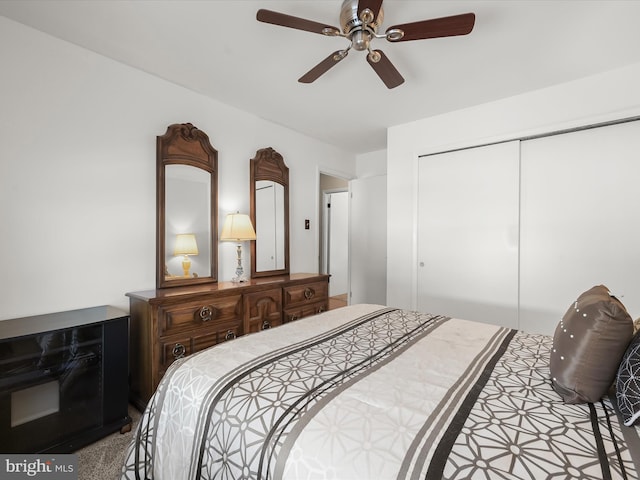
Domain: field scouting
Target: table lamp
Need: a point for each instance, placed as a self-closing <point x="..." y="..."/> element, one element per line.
<point x="186" y="245"/>
<point x="237" y="227"/>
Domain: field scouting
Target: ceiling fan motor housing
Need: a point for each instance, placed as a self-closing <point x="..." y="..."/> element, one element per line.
<point x="350" y="23"/>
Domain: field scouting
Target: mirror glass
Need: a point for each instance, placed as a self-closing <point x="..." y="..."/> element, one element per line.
<point x="187" y="207"/>
<point x="187" y="211"/>
<point x="269" y="225"/>
<point x="269" y="212"/>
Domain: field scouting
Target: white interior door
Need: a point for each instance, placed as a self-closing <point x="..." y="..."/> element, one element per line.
<point x="579" y="221"/>
<point x="368" y="240"/>
<point x="337" y="252"/>
<point x="468" y="234"/>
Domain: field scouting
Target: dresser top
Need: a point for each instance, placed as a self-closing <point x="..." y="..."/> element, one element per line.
<point x="165" y="293"/>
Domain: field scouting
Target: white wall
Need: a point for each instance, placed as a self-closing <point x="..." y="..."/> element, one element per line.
<point x="602" y="97"/>
<point x="77" y="173"/>
<point x="371" y="164"/>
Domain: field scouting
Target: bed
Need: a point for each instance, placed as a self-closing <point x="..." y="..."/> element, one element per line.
<point x="372" y="392"/>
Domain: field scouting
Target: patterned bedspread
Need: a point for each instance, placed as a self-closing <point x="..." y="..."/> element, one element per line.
<point x="369" y="392"/>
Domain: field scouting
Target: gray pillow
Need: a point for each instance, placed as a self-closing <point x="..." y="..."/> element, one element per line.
<point x="588" y="345"/>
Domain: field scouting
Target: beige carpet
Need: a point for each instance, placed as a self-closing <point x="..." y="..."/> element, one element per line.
<point x="103" y="459"/>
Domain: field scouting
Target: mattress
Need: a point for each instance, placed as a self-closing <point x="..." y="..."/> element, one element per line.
<point x="372" y="392"/>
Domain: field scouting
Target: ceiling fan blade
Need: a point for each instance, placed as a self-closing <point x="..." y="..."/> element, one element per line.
<point x="321" y="68"/>
<point x="434" y="28"/>
<point x="385" y="70"/>
<point x="373" y="5"/>
<point x="284" y="20"/>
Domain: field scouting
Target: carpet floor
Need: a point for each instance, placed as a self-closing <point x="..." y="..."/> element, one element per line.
<point x="103" y="459"/>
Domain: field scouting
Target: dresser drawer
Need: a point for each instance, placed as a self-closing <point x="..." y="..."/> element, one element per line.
<point x="291" y="314"/>
<point x="305" y="294"/>
<point x="180" y="346"/>
<point x="199" y="313"/>
<point x="262" y="310"/>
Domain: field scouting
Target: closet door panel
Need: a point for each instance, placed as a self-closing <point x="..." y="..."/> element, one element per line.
<point x="580" y="221"/>
<point x="468" y="234"/>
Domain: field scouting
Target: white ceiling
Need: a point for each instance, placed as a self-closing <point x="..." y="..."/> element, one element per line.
<point x="218" y="48"/>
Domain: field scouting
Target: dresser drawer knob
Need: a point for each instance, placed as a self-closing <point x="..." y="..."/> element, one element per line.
<point x="309" y="293"/>
<point x="230" y="335"/>
<point x="178" y="351"/>
<point x="266" y="325"/>
<point x="205" y="313"/>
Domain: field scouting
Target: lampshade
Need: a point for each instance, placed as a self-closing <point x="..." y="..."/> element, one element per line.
<point x="237" y="227"/>
<point x="186" y="244"/>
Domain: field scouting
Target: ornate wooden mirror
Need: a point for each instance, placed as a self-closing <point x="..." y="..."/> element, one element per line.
<point x="269" y="212"/>
<point x="186" y="207"/>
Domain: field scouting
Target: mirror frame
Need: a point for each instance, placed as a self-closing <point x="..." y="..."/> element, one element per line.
<point x="269" y="165"/>
<point x="184" y="144"/>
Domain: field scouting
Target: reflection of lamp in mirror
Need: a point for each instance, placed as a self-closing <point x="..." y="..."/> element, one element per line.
<point x="186" y="245"/>
<point x="237" y="227"/>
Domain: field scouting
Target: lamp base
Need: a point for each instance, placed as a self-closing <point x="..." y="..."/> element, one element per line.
<point x="186" y="265"/>
<point x="240" y="277"/>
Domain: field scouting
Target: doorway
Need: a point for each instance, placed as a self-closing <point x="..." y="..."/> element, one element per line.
<point x="334" y="237"/>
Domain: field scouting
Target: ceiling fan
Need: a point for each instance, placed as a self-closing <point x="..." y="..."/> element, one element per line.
<point x="360" y="20"/>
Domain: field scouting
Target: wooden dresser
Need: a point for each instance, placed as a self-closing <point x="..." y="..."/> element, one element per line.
<point x="170" y="323"/>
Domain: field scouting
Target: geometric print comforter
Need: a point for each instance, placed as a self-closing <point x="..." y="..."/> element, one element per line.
<point x="369" y="392"/>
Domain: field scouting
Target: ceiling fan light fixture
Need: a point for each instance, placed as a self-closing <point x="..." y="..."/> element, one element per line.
<point x="360" y="40"/>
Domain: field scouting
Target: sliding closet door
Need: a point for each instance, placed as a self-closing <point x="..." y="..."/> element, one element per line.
<point x="468" y="234"/>
<point x="580" y="221"/>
